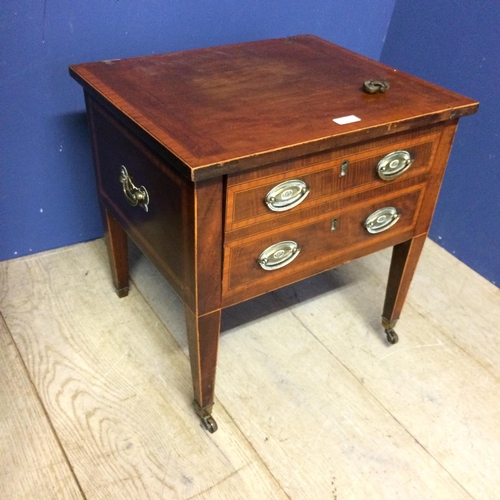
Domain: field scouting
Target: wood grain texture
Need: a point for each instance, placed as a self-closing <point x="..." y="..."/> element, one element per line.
<point x="337" y="153"/>
<point x="436" y="177"/>
<point x="204" y="283"/>
<point x="246" y="194"/>
<point x="116" y="385"/>
<point x="312" y="401"/>
<point x="227" y="109"/>
<point x="403" y="265"/>
<point x="163" y="231"/>
<point x="340" y="203"/>
<point x="203" y="339"/>
<point x="206" y="251"/>
<point x="458" y="302"/>
<point x="320" y="428"/>
<point x="309" y="378"/>
<point x="321" y="248"/>
<point x="444" y="398"/>
<point x="32" y="464"/>
<point x="117" y="245"/>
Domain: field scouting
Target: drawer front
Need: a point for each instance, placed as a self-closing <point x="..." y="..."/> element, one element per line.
<point x="319" y="244"/>
<point x="158" y="231"/>
<point x="248" y="198"/>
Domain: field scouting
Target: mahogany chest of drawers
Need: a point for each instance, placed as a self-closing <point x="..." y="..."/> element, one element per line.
<point x="244" y="168"/>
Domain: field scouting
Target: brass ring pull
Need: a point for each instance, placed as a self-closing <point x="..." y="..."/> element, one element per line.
<point x="136" y="196"/>
<point x="376" y="86"/>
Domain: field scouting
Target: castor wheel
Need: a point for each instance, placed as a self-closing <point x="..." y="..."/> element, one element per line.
<point x="210" y="424"/>
<point x="392" y="336"/>
<point x="205" y="415"/>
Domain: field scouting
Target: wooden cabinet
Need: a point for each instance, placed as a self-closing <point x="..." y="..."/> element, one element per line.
<point x="240" y="169"/>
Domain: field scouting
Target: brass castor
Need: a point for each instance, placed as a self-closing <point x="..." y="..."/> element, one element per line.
<point x="209" y="423"/>
<point x="392" y="336"/>
<point x="206" y="417"/>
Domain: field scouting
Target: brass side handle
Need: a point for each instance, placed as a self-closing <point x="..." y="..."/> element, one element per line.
<point x="382" y="219"/>
<point x="394" y="164"/>
<point x="135" y="196"/>
<point x="278" y="255"/>
<point x="286" y="195"/>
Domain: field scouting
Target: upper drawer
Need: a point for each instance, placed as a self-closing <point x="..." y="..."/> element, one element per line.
<point x="253" y="200"/>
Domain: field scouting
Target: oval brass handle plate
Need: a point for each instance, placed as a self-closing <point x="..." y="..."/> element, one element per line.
<point x="136" y="196"/>
<point x="278" y="255"/>
<point x="286" y="195"/>
<point x="394" y="164"/>
<point x="381" y="220"/>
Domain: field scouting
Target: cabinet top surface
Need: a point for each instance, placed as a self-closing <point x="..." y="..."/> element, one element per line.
<point x="218" y="109"/>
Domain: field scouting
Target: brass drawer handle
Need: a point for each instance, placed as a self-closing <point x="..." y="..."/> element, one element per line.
<point x="133" y="194"/>
<point x="382" y="219"/>
<point x="376" y="86"/>
<point x="286" y="195"/>
<point x="278" y="255"/>
<point x="394" y="164"/>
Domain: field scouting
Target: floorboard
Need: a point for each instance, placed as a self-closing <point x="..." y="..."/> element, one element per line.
<point x="312" y="402"/>
<point x="458" y="302"/>
<point x="32" y="464"/>
<point x="117" y="387"/>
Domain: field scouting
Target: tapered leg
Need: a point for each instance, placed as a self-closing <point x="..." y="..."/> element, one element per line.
<point x="405" y="255"/>
<point x="403" y="264"/>
<point x="203" y="303"/>
<point x="203" y="339"/>
<point x="116" y="242"/>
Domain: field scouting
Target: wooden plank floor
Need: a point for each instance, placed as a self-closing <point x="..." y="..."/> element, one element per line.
<point x="312" y="403"/>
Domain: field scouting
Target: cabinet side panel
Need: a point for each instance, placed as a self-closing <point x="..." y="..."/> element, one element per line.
<point x="161" y="232"/>
<point x="436" y="177"/>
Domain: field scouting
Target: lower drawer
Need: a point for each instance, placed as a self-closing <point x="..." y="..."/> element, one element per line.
<point x="316" y="246"/>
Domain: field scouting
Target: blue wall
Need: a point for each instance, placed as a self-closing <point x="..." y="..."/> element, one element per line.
<point x="457" y="45"/>
<point x="47" y="192"/>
